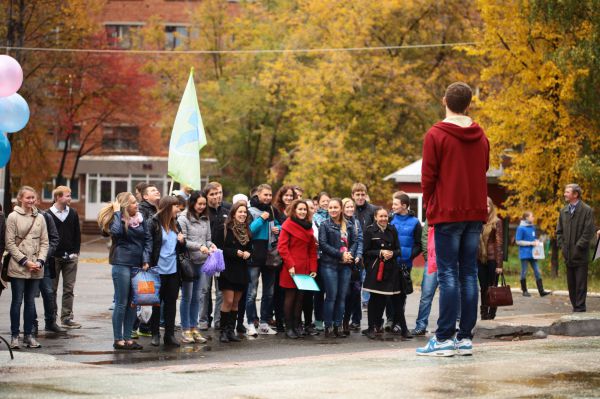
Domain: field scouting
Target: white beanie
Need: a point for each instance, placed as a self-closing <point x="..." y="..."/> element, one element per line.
<point x="239" y="197"/>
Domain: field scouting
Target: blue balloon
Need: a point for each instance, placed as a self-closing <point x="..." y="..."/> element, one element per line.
<point x="14" y="113"/>
<point x="4" y="150"/>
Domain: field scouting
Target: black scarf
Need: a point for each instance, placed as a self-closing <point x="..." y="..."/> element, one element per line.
<point x="305" y="224"/>
<point x="255" y="203"/>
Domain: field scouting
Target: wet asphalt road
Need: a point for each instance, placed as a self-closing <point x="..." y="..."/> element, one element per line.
<point x="92" y="344"/>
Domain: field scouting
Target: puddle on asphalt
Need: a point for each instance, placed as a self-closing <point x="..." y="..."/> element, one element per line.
<point x="588" y="379"/>
<point x="23" y="389"/>
<point x="136" y="357"/>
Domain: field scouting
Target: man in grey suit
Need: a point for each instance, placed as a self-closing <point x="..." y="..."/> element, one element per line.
<point x="575" y="232"/>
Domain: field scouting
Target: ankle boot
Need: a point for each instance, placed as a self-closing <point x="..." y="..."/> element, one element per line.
<point x="224" y="337"/>
<point x="524" y="288"/>
<point x="155" y="340"/>
<point x="492" y="313"/>
<point x="540" y="287"/>
<point x="338" y="333"/>
<point x="290" y="332"/>
<point x="170" y="340"/>
<point x="231" y="334"/>
<point x="484" y="312"/>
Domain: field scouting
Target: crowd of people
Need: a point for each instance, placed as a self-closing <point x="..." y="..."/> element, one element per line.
<point x="359" y="255"/>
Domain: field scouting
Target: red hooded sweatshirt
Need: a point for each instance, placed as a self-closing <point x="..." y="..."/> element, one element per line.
<point x="453" y="173"/>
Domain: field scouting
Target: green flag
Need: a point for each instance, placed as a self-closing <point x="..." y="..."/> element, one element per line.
<point x="187" y="138"/>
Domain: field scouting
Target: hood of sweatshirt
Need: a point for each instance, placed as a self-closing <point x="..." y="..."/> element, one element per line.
<point x="525" y="223"/>
<point x="474" y="132"/>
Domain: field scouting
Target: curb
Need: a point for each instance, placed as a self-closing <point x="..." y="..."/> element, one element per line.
<point x="572" y="325"/>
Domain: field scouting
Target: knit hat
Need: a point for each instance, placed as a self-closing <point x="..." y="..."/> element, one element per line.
<point x="239" y="197"/>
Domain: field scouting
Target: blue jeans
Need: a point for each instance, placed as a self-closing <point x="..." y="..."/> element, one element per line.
<point x="189" y="307"/>
<point x="46" y="288"/>
<point x="206" y="283"/>
<point x="337" y="282"/>
<point x="26" y="289"/>
<point x="429" y="285"/>
<point x="365" y="294"/>
<point x="534" y="266"/>
<point x="267" y="275"/>
<point x="123" y="314"/>
<point x="457" y="245"/>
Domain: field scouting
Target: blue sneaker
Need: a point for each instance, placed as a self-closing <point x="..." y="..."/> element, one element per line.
<point x="436" y="348"/>
<point x="464" y="347"/>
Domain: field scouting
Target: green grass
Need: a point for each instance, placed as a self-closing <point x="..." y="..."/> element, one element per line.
<point x="512" y="272"/>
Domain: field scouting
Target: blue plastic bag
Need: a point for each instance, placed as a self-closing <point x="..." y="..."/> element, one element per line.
<point x="214" y="263"/>
<point x="145" y="286"/>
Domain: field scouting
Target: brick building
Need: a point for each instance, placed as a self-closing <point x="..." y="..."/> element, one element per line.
<point x="122" y="157"/>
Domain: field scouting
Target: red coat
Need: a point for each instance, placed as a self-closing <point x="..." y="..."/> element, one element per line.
<point x="298" y="249"/>
<point x="453" y="174"/>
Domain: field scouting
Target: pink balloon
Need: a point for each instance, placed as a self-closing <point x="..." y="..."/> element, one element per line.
<point x="11" y="76"/>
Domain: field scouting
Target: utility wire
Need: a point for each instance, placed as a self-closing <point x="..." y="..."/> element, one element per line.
<point x="258" y="51"/>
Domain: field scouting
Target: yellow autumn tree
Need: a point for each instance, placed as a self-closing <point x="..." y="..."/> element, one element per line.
<point x="526" y="92"/>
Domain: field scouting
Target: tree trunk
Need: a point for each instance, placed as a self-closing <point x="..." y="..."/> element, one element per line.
<point x="554" y="257"/>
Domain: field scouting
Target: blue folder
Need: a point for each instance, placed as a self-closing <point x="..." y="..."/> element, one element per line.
<point x="305" y="282"/>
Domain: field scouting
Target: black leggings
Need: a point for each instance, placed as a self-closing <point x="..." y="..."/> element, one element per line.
<point x="169" y="291"/>
<point x="377" y="304"/>
<point x="292" y="307"/>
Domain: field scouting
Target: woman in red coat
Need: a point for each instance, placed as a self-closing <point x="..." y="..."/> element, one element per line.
<point x="298" y="249"/>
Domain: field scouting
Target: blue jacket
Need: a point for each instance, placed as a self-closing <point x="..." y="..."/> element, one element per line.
<point x="132" y="247"/>
<point x="524" y="239"/>
<point x="320" y="216"/>
<point x="330" y="242"/>
<point x="409" y="235"/>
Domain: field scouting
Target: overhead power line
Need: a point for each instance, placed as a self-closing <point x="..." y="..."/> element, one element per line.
<point x="249" y="51"/>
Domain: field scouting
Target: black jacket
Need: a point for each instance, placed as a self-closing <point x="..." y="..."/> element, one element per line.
<point x="53" y="240"/>
<point x="217" y="218"/>
<point x="236" y="268"/>
<point x="156" y="233"/>
<point x="365" y="214"/>
<point x="374" y="241"/>
<point x="330" y="243"/>
<point x="147" y="210"/>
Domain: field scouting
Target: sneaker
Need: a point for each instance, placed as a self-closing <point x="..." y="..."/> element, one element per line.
<point x="70" y="324"/>
<point x="198" y="338"/>
<point x="436" y="348"/>
<point x="112" y="306"/>
<point x="14" y="343"/>
<point x="187" y="337"/>
<point x="30" y="342"/>
<point x="251" y="331"/>
<point x="417" y="332"/>
<point x="141" y="333"/>
<point x="464" y="347"/>
<point x="319" y="325"/>
<point x="265" y="329"/>
<point x="203" y="326"/>
<point x="241" y="329"/>
<point x="396" y="329"/>
<point x="134" y="334"/>
<point x="355" y="326"/>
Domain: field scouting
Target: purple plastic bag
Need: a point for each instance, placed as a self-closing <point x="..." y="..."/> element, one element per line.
<point x="214" y="263"/>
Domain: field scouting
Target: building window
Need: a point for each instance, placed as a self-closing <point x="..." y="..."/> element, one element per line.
<point x="176" y="36"/>
<point x="119" y="35"/>
<point x="74" y="139"/>
<point x="120" y="138"/>
<point x="51" y="185"/>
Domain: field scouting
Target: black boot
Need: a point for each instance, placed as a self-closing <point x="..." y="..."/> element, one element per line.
<point x="329" y="333"/>
<point x="224" y="337"/>
<point x="338" y="333"/>
<point x="524" y="288"/>
<point x="155" y="340"/>
<point x="170" y="340"/>
<point x="231" y="334"/>
<point x="492" y="313"/>
<point x="540" y="287"/>
<point x="484" y="312"/>
<point x="290" y="332"/>
<point x="53" y="327"/>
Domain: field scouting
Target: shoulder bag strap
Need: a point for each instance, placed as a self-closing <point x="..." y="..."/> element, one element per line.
<point x="28" y="230"/>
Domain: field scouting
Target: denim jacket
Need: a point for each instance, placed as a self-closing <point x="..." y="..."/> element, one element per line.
<point x="330" y="242"/>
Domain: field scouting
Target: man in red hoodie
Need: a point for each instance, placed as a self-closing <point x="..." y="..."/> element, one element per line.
<point x="453" y="179"/>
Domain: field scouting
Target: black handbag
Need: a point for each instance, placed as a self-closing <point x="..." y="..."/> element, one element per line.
<point x="187" y="270"/>
<point x="405" y="280"/>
